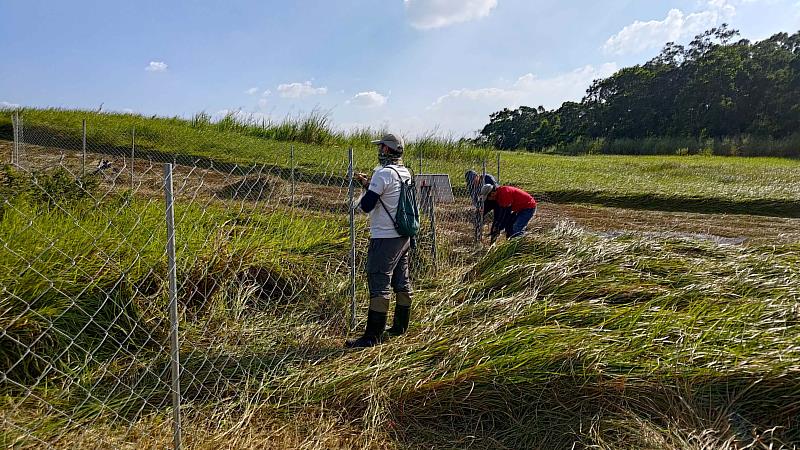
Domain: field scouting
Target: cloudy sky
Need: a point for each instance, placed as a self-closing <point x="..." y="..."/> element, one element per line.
<point x="410" y="65"/>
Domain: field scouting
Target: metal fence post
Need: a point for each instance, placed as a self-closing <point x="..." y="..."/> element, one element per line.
<point x="480" y="212"/>
<point x="429" y="205"/>
<point x="173" y="305"/>
<point x="350" y="173"/>
<point x="291" y="160"/>
<point x="420" y="161"/>
<point x="83" y="152"/>
<point x="498" y="167"/>
<point x="15" y="127"/>
<point x="133" y="155"/>
<point x="20" y="140"/>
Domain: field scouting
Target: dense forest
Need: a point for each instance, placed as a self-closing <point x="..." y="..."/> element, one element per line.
<point x="720" y="94"/>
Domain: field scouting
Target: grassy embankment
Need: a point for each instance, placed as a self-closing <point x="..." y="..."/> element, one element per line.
<point x="677" y="183"/>
<point x="566" y="336"/>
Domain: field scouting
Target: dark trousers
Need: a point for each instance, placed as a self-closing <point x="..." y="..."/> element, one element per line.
<point x="387" y="267"/>
<point x="515" y="225"/>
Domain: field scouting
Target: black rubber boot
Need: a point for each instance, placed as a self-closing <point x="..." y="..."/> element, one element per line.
<point x="402" y="315"/>
<point x="376" y="322"/>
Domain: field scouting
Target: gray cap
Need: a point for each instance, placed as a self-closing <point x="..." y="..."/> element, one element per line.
<point x="486" y="189"/>
<point x="393" y="142"/>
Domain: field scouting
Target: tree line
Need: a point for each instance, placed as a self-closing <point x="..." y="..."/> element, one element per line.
<point x="719" y="94"/>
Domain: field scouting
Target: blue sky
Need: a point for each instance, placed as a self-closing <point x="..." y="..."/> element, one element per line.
<point x="409" y="65"/>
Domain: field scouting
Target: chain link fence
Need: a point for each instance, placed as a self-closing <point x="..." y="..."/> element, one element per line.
<point x="112" y="321"/>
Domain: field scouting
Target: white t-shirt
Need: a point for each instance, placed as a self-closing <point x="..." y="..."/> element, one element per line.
<point x="386" y="184"/>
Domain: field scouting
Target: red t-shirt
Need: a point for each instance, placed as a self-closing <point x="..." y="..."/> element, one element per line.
<point x="516" y="198"/>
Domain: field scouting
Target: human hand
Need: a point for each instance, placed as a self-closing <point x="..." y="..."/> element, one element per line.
<point x="361" y="178"/>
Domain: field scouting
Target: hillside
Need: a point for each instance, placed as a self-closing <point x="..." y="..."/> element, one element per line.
<point x="704" y="184"/>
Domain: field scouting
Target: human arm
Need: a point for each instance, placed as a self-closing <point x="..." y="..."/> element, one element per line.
<point x="362" y="179"/>
<point x="368" y="201"/>
<point x="375" y="187"/>
<point x="501" y="215"/>
<point x="489" y="205"/>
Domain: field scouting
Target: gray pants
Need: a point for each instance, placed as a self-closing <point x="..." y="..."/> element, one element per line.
<point x="387" y="265"/>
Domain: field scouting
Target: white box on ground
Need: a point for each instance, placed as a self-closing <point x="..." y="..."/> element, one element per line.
<point x="439" y="183"/>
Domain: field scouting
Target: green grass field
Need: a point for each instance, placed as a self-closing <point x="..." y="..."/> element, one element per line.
<point x="568" y="338"/>
<point x="763" y="186"/>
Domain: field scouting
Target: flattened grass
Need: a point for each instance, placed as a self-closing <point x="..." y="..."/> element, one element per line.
<point x="563" y="337"/>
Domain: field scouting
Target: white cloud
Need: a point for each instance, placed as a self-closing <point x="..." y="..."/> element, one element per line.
<point x="251" y="91"/>
<point x="263" y="103"/>
<point x="467" y="110"/>
<point x="429" y="14"/>
<point x="266" y="93"/>
<point x="677" y="26"/>
<point x="300" y="90"/>
<point x="7" y="105"/>
<point x="157" y="66"/>
<point x="530" y="90"/>
<point x="369" y="99"/>
<point x="464" y="112"/>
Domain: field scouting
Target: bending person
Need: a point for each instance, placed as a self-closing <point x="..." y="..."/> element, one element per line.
<point x="474" y="184"/>
<point x="516" y="207"/>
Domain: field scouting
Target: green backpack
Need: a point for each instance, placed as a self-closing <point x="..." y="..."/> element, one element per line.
<point x="406" y="220"/>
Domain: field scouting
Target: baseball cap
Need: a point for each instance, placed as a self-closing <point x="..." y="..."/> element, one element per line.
<point x="486" y="189"/>
<point x="393" y="142"/>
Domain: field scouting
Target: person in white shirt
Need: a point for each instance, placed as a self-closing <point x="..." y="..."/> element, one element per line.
<point x="387" y="257"/>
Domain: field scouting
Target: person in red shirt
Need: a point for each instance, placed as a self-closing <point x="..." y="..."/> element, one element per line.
<point x="516" y="205"/>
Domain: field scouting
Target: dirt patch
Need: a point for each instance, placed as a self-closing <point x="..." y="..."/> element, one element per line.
<point x="723" y="228"/>
<point x="454" y="221"/>
<point x="253" y="189"/>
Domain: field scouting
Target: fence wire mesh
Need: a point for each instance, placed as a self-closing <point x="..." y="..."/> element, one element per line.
<point x="267" y="259"/>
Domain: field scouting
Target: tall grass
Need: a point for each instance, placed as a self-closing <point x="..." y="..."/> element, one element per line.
<point x="313" y="128"/>
<point x="565" y="338"/>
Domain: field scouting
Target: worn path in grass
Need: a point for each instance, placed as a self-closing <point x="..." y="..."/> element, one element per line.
<point x="761" y="186"/>
<point x="724" y="228"/>
<point x="745" y="228"/>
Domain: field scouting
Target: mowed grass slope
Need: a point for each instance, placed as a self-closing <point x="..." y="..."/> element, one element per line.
<point x="709" y="184"/>
<point x="764" y="186"/>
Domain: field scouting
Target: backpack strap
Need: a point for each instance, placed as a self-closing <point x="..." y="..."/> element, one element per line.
<point x="399" y="177"/>
<point x="394" y="222"/>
